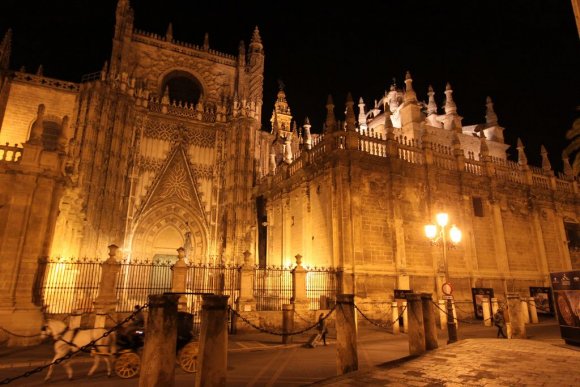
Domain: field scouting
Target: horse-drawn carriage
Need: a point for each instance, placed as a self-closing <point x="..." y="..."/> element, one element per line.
<point x="130" y="345"/>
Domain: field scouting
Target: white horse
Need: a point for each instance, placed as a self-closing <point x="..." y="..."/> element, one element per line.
<point x="68" y="340"/>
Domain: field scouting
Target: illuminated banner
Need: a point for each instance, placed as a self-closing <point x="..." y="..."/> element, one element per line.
<point x="566" y="288"/>
<point x="543" y="299"/>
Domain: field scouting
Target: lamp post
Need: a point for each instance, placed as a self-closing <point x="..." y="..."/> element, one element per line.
<point x="437" y="233"/>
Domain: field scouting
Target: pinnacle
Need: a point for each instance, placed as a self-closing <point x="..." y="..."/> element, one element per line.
<point x="329" y="101"/>
<point x="488" y="100"/>
<point x="448" y="86"/>
<point x="430" y="89"/>
<point x="408" y="75"/>
<point x="306" y="121"/>
<point x="520" y="143"/>
<point x="349" y="98"/>
<point x="256" y="36"/>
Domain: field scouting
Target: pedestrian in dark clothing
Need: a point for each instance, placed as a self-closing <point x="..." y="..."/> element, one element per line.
<point x="322" y="328"/>
<point x="499" y="322"/>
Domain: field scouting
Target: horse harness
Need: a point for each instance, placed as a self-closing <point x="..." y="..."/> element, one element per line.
<point x="60" y="337"/>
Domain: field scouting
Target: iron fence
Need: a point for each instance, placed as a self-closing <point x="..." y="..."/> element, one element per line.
<point x="272" y="287"/>
<point x="210" y="278"/>
<point x="137" y="280"/>
<point x="322" y="285"/>
<point x="63" y="286"/>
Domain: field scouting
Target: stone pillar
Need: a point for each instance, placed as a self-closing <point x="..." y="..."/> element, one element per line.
<point x="179" y="279"/>
<point x="533" y="310"/>
<point x="299" y="285"/>
<point x="525" y="312"/>
<point x="486" y="315"/>
<point x="247" y="301"/>
<point x="494" y="306"/>
<point x="405" y="317"/>
<point x="106" y="300"/>
<point x="346" y="346"/>
<point x="516" y="320"/>
<point x="429" y="322"/>
<point x="416" y="324"/>
<point x="158" y="359"/>
<point x="213" y="342"/>
<point x="395" y="317"/>
<point x="287" y="322"/>
<point x="451" y="321"/>
<point x="442" y="314"/>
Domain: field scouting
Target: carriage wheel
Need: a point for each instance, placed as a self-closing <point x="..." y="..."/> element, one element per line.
<point x="188" y="357"/>
<point x="127" y="365"/>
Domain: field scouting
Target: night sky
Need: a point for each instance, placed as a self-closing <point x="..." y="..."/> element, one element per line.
<point x="524" y="54"/>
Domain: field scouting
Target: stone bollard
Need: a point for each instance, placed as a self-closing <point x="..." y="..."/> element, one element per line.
<point x="299" y="285"/>
<point x="213" y="342"/>
<point x="247" y="301"/>
<point x="525" y="312"/>
<point x="442" y="314"/>
<point x="287" y="322"/>
<point x="395" y="317"/>
<point x="158" y="359"/>
<point x="416" y="329"/>
<point x="346" y="347"/>
<point x="533" y="310"/>
<point x="485" y="309"/>
<point x="494" y="306"/>
<point x="429" y="322"/>
<point x="516" y="319"/>
<point x="405" y="317"/>
<point x="106" y="300"/>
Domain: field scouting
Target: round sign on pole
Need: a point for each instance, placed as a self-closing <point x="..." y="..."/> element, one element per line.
<point x="447" y="288"/>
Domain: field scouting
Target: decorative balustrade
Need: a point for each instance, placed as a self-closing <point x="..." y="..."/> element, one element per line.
<point x="563" y="185"/>
<point x="45" y="81"/>
<point x="541" y="181"/>
<point x="443" y="157"/>
<point x="474" y="166"/>
<point x="10" y="154"/>
<point x="184" y="110"/>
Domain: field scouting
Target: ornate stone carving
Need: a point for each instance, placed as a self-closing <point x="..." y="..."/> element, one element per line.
<point x="167" y="131"/>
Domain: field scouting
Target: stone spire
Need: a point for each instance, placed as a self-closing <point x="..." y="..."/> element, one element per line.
<point x="169" y="33"/>
<point x="566" y="163"/>
<point x="483" y="148"/>
<point x="5" y="49"/>
<point x="490" y="116"/>
<point x="282" y="110"/>
<point x="206" y="41"/>
<point x="362" y="119"/>
<point x="242" y="53"/>
<point x="288" y="156"/>
<point x="307" y="134"/>
<point x="350" y="117"/>
<point x="330" y="118"/>
<point x="522" y="159"/>
<point x="38" y="126"/>
<point x="431" y="105"/>
<point x="40" y="70"/>
<point x="546" y="166"/>
<point x="256" y="41"/>
<point x="410" y="95"/>
<point x="389" y="129"/>
<point x="450" y="107"/>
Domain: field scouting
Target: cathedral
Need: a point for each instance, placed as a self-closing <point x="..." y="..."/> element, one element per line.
<point x="163" y="148"/>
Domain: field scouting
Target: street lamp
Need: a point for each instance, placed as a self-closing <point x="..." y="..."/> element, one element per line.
<point x="438" y="234"/>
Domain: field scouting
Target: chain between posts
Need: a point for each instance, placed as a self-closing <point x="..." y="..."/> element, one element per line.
<point x="384" y="326"/>
<point x="17" y="335"/>
<point x="456" y="319"/>
<point x="281" y="333"/>
<point x="84" y="348"/>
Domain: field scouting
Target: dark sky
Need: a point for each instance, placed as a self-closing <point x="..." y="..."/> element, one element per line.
<point x="525" y="54"/>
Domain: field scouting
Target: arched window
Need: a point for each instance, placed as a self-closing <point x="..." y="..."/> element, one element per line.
<point x="182" y="87"/>
<point x="50" y="134"/>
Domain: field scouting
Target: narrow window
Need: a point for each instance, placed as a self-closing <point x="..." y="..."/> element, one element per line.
<point x="477" y="207"/>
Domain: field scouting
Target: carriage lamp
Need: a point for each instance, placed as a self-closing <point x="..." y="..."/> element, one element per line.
<point x="441" y="236"/>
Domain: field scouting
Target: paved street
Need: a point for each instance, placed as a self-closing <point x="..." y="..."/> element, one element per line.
<point x="259" y="360"/>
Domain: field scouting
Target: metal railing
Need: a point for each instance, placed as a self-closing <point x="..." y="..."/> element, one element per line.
<point x="322" y="286"/>
<point x="66" y="285"/>
<point x="272" y="287"/>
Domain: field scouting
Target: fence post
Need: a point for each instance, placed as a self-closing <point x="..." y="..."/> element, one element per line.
<point x="416" y="324"/>
<point x="299" y="285"/>
<point x="533" y="310"/>
<point x="158" y="360"/>
<point x="485" y="310"/>
<point x="179" y="279"/>
<point x="247" y="301"/>
<point x="516" y="320"/>
<point x="395" y="317"/>
<point x="106" y="300"/>
<point x="429" y="322"/>
<point x="346" y="347"/>
<point x="213" y="342"/>
<point x="287" y="322"/>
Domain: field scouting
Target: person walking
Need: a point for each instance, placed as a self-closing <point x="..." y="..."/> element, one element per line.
<point x="499" y="322"/>
<point x="322" y="330"/>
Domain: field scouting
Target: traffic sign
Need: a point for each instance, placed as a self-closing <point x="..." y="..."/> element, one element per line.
<point x="447" y="288"/>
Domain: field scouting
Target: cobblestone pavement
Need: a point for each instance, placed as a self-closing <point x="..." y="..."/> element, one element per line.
<point x="478" y="362"/>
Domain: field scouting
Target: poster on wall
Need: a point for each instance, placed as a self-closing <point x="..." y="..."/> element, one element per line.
<point x="543" y="299"/>
<point x="478" y="294"/>
<point x="566" y="289"/>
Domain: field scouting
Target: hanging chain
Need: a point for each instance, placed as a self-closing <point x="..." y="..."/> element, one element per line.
<point x="84" y="348"/>
<point x="388" y="324"/>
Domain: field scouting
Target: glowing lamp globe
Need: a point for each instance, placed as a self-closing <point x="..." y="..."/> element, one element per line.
<point x="455" y="234"/>
<point x="442" y="219"/>
<point x="430" y="231"/>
